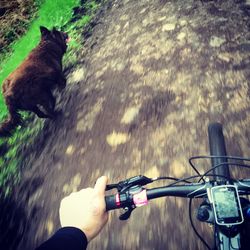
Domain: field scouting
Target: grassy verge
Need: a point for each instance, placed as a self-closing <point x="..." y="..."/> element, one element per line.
<point x="71" y="16"/>
<point x="15" y="17"/>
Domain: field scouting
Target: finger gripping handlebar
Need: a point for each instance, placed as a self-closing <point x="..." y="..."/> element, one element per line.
<point x="111" y="202"/>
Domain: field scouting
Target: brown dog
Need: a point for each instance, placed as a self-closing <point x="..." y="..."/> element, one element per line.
<point x="30" y="86"/>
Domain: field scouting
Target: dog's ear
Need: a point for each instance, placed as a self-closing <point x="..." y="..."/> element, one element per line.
<point x="54" y="31"/>
<point x="44" y="31"/>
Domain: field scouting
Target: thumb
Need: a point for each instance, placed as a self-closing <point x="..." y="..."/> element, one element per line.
<point x="100" y="185"/>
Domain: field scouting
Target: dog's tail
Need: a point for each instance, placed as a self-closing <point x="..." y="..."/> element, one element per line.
<point x="13" y="120"/>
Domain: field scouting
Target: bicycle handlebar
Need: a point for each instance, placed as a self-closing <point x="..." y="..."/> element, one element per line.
<point x="194" y="190"/>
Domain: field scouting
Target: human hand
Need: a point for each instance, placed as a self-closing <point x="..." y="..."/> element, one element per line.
<point x="86" y="209"/>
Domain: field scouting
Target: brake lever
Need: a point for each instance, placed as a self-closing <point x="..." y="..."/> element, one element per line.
<point x="127" y="213"/>
<point x="136" y="180"/>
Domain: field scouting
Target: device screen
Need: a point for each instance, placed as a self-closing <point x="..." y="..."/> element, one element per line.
<point x="227" y="205"/>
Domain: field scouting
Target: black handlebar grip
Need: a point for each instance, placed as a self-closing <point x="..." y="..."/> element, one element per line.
<point x="110" y="202"/>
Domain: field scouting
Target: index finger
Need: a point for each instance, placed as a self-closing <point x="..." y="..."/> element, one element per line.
<point x="100" y="185"/>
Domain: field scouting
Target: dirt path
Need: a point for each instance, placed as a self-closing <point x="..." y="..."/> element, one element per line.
<point x="152" y="76"/>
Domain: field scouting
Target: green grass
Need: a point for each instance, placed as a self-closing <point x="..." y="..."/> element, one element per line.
<point x="9" y="163"/>
<point x="52" y="13"/>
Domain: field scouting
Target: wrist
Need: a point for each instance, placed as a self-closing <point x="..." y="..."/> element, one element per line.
<point x="87" y="235"/>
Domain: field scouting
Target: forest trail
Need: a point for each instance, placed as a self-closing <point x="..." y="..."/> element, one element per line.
<point x="152" y="75"/>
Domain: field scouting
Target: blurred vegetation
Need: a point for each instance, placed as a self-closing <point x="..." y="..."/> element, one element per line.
<point x="19" y="34"/>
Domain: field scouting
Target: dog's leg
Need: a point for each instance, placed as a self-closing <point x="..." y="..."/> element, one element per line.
<point x="51" y="102"/>
<point x="61" y="81"/>
<point x="12" y="121"/>
<point x="39" y="113"/>
<point x="48" y="102"/>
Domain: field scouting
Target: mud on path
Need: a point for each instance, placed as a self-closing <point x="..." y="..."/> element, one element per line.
<point x="152" y="76"/>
